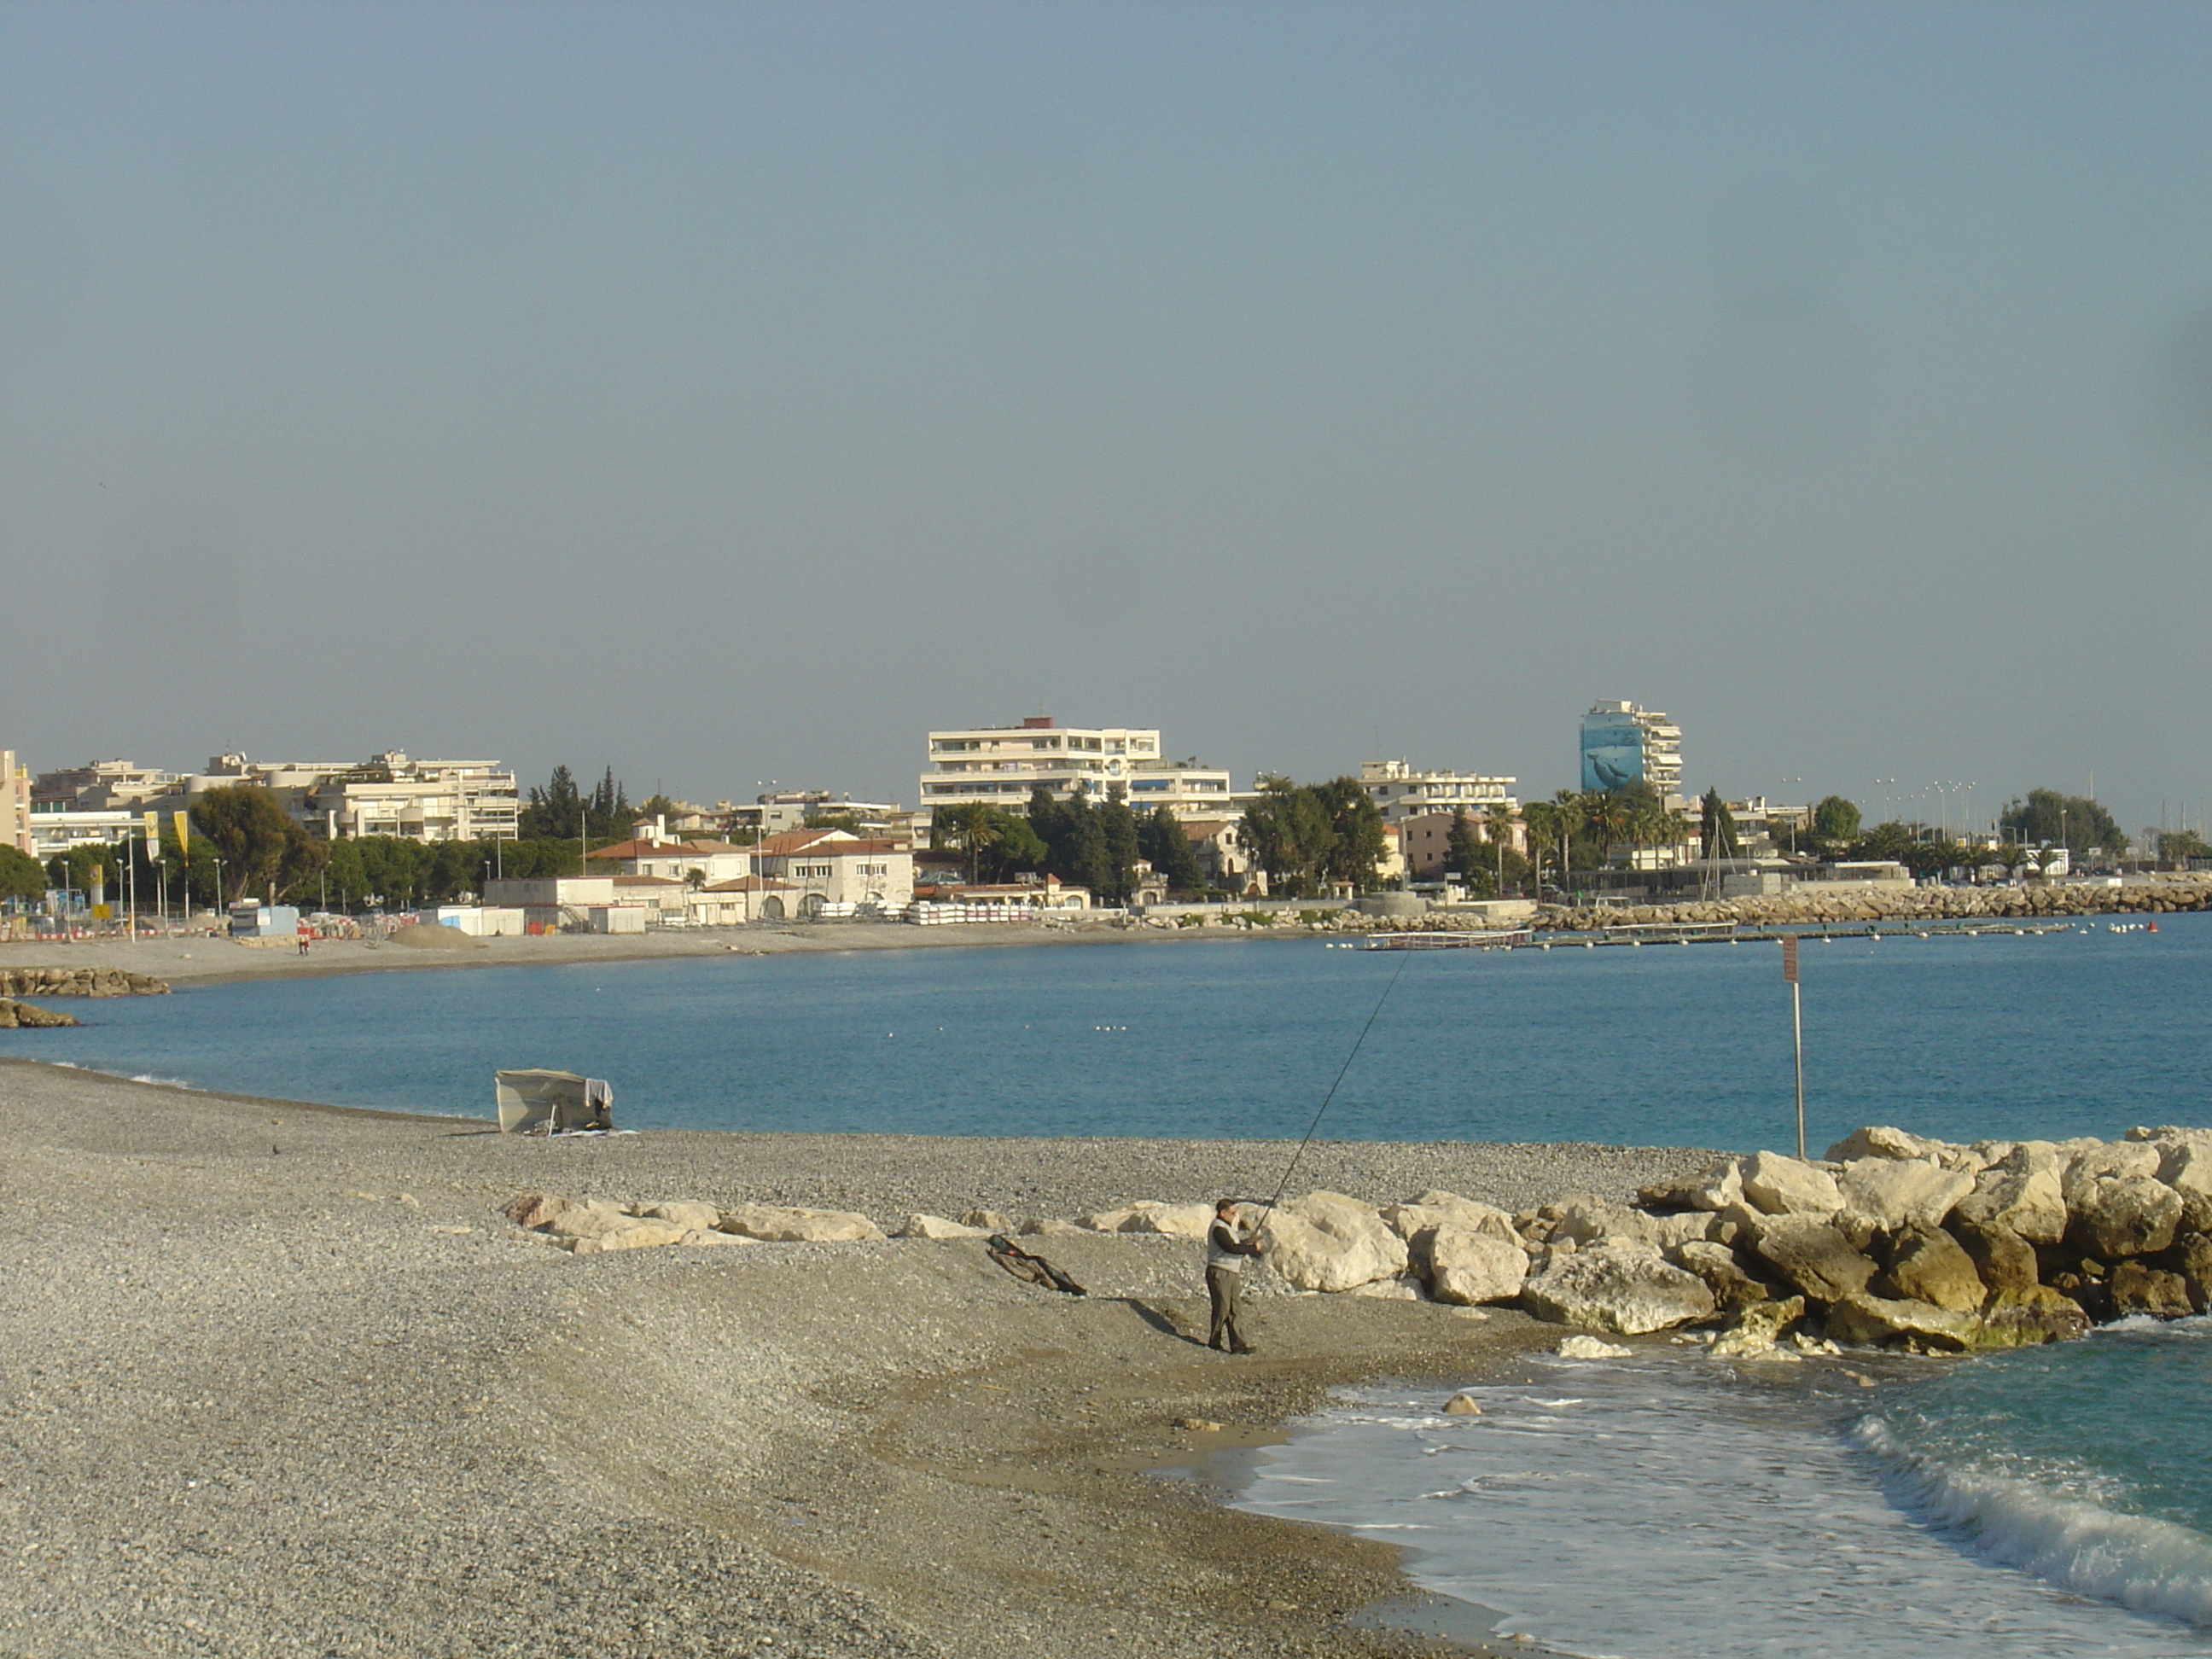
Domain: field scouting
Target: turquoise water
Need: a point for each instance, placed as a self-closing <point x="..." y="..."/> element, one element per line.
<point x="2079" y="1032"/>
<point x="2036" y="1506"/>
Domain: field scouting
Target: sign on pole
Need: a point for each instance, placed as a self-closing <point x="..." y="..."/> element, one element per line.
<point x="1796" y="1030"/>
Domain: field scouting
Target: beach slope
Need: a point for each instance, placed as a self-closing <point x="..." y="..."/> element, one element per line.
<point x="282" y="1379"/>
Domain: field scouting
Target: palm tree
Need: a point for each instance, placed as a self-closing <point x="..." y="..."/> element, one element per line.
<point x="1542" y="822"/>
<point x="972" y="826"/>
<point x="1572" y="815"/>
<point x="1497" y="819"/>
<point x="1609" y="818"/>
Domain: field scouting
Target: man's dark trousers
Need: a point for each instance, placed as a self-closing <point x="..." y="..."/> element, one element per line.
<point x="1222" y="1285"/>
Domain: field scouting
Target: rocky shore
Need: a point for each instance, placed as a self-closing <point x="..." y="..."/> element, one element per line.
<point x="1890" y="1241"/>
<point x="88" y="980"/>
<point x="280" y="1379"/>
<point x="1807" y="905"/>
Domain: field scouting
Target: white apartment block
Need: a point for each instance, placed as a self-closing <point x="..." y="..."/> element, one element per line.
<point x="15" y="803"/>
<point x="1000" y="765"/>
<point x="387" y="795"/>
<point x="1400" y="792"/>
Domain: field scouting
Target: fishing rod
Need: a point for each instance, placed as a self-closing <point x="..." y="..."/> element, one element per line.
<point x="1404" y="957"/>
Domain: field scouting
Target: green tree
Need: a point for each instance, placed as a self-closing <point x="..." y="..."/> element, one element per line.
<point x="1836" y="820"/>
<point x="1117" y="829"/>
<point x="2074" y="822"/>
<point x="1356" y="841"/>
<point x="87" y="866"/>
<point x="1169" y="851"/>
<point x="969" y="827"/>
<point x="1288" y="831"/>
<point x="21" y="876"/>
<point x="1462" y="850"/>
<point x="1610" y="817"/>
<point x="1717" y="834"/>
<point x="1083" y="852"/>
<point x="1507" y="864"/>
<point x="253" y="836"/>
<point x="556" y="810"/>
<point x="1018" y="848"/>
<point x="1541" y="820"/>
<point x="657" y="806"/>
<point x="2178" y="845"/>
<point x="610" y="813"/>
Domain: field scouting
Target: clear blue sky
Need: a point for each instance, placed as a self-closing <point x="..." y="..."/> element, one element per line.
<point x="733" y="392"/>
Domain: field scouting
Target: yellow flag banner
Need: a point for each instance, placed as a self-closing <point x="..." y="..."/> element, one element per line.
<point x="184" y="822"/>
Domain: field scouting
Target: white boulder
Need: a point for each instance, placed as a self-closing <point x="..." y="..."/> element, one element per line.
<point x="935" y="1226"/>
<point x="1880" y="1141"/>
<point x="2020" y="1192"/>
<point x="1326" y="1242"/>
<point x="1624" y="1288"/>
<point x="1889" y="1192"/>
<point x="783" y="1224"/>
<point x="1775" y="1185"/>
<point x="689" y="1217"/>
<point x="1467" y="1268"/>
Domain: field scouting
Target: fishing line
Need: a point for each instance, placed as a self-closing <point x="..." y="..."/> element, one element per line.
<point x="1403" y="958"/>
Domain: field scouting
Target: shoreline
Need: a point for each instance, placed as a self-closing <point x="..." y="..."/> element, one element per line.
<point x="303" y="1334"/>
<point x="204" y="959"/>
<point x="208" y="960"/>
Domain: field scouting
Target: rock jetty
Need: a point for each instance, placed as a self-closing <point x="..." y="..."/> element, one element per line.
<point x="1807" y="905"/>
<point x="78" y="982"/>
<point x="14" y="1014"/>
<point x="1889" y="1241"/>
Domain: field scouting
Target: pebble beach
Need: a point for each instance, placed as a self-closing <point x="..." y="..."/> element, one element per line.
<point x="282" y="1379"/>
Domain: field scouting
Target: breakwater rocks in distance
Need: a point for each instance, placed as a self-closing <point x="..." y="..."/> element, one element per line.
<point x="1810" y="907"/>
<point x="78" y="982"/>
<point x="1890" y="1241"/>
<point x="14" y="1014"/>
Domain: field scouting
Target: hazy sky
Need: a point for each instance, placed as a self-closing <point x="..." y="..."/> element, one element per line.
<point x="734" y="392"/>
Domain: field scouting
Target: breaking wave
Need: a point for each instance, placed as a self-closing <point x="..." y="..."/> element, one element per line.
<point x="2140" y="1562"/>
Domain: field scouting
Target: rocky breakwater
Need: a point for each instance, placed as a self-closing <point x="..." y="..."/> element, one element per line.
<point x="78" y="982"/>
<point x="15" y="1014"/>
<point x="1889" y="1241"/>
<point x="1807" y="905"/>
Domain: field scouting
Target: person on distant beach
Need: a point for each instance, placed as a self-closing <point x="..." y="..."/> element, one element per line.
<point x="1227" y="1244"/>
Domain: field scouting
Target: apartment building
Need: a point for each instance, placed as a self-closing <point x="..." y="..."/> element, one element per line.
<point x="388" y="795"/>
<point x="1399" y="792"/>
<point x="1000" y="765"/>
<point x="15" y="803"/>
<point x="1623" y="745"/>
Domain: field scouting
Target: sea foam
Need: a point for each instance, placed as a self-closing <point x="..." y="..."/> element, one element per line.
<point x="2139" y="1561"/>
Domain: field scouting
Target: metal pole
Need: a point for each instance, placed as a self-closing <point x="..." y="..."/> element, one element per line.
<point x="1797" y="1043"/>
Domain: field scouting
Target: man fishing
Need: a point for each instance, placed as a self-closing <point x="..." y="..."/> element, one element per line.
<point x="1227" y="1244"/>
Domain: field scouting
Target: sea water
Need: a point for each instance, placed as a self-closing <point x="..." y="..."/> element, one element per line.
<point x="2041" y="1504"/>
<point x="2080" y="1031"/>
